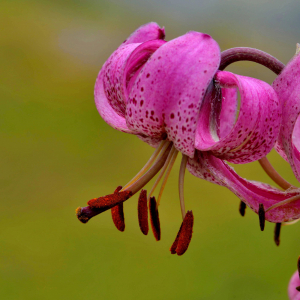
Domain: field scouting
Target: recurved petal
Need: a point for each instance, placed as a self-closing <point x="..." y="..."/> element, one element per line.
<point x="293" y="284"/>
<point x="147" y="32"/>
<point x="256" y="129"/>
<point x="287" y="87"/>
<point x="113" y="80"/>
<point x="206" y="166"/>
<point x="169" y="89"/>
<point x="109" y="115"/>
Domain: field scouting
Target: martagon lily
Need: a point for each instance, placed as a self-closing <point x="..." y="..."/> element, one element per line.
<point x="176" y="97"/>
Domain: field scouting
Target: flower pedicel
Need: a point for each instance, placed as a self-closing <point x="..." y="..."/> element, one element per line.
<point x="177" y="97"/>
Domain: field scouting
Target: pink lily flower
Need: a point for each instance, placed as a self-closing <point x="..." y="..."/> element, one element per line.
<point x="294" y="287"/>
<point x="172" y="96"/>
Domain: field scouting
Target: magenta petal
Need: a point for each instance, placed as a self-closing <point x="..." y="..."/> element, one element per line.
<point x="109" y="115"/>
<point x="205" y="165"/>
<point x="287" y="87"/>
<point x="147" y="32"/>
<point x="228" y="111"/>
<point x="168" y="91"/>
<point x="113" y="82"/>
<point x="136" y="61"/>
<point x="110" y="90"/>
<point x="294" y="282"/>
<point x="256" y="129"/>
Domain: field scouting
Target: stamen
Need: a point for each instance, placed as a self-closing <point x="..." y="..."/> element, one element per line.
<point x="242" y="208"/>
<point x="186" y="232"/>
<point x="273" y="174"/>
<point x="154" y="218"/>
<point x="162" y="171"/>
<point x="117" y="214"/>
<point x="84" y="214"/>
<point x="106" y="202"/>
<point x="298" y="266"/>
<point x="277" y="233"/>
<point x="171" y="163"/>
<point x="143" y="212"/>
<point x="174" y="245"/>
<point x="286" y="201"/>
<point x="261" y="215"/>
<point x="160" y="149"/>
<point x="181" y="184"/>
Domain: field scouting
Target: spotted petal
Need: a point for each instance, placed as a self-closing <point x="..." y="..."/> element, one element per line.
<point x="256" y="129"/>
<point x="110" y="90"/>
<point x="287" y="86"/>
<point x="169" y="89"/>
<point x="206" y="166"/>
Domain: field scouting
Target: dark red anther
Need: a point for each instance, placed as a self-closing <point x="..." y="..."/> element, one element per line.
<point x="261" y="215"/>
<point x="117" y="214"/>
<point x="186" y="232"/>
<point x="106" y="202"/>
<point x="143" y="212"/>
<point x="277" y="233"/>
<point x="298" y="288"/>
<point x="118" y="189"/>
<point x="154" y="218"/>
<point x="174" y="245"/>
<point x="242" y="208"/>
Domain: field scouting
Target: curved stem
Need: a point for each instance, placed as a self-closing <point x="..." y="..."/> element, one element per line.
<point x="250" y="54"/>
<point x="273" y="174"/>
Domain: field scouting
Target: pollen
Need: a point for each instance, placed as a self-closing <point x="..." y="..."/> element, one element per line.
<point x="174" y="245"/>
<point x="117" y="214"/>
<point x="106" y="202"/>
<point x="184" y="235"/>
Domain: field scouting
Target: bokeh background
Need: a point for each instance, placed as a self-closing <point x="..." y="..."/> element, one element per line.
<point x="57" y="153"/>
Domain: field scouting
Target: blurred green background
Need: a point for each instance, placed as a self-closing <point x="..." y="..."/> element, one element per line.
<point x="57" y="153"/>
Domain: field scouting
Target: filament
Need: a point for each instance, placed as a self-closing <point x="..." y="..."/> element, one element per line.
<point x="159" y="150"/>
<point x="287" y="201"/>
<point x="162" y="171"/>
<point x="158" y="164"/>
<point x="181" y="183"/>
<point x="273" y="174"/>
<point x="171" y="163"/>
